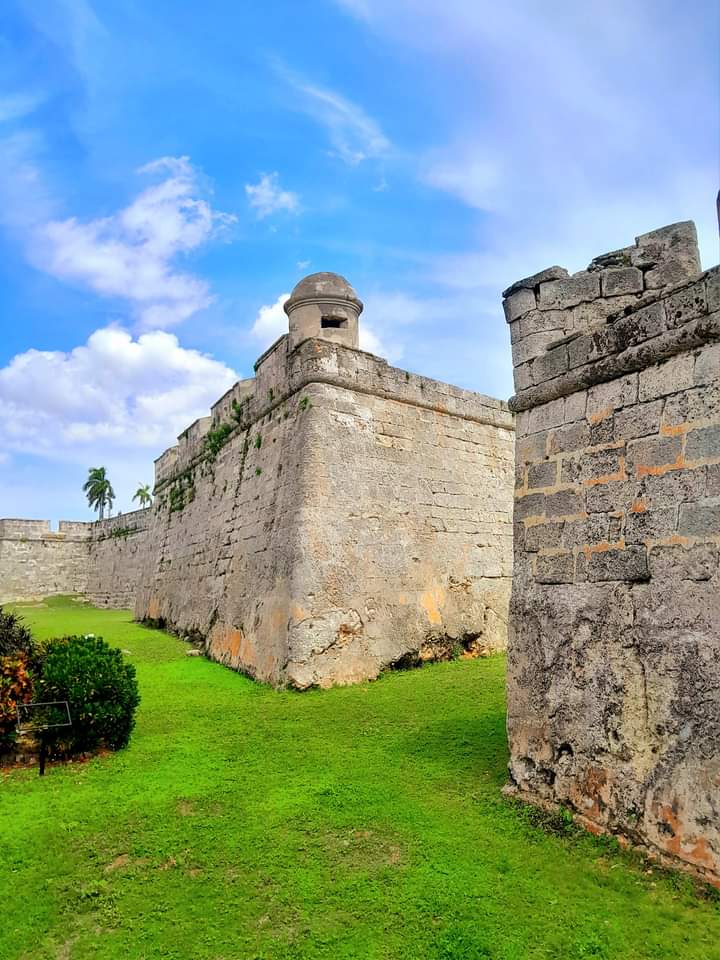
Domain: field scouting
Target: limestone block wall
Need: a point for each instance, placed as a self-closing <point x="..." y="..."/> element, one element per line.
<point x="354" y="515"/>
<point x="115" y="558"/>
<point x="36" y="562"/>
<point x="614" y="641"/>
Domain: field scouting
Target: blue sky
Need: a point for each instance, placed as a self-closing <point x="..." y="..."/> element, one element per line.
<point x="169" y="170"/>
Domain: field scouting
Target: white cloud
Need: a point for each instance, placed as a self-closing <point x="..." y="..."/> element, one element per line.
<point x="354" y="134"/>
<point x="113" y="393"/>
<point x="271" y="322"/>
<point x="131" y="254"/>
<point x="266" y="196"/>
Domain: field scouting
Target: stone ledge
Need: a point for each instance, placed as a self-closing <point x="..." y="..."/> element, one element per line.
<point x="693" y="334"/>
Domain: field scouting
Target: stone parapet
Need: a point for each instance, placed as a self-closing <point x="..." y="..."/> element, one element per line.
<point x="614" y="649"/>
<point x="547" y="310"/>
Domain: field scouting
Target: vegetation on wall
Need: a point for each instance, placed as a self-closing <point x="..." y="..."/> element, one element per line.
<point x="215" y="439"/>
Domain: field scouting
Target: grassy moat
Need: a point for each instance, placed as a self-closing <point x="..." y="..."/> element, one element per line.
<point x="360" y="822"/>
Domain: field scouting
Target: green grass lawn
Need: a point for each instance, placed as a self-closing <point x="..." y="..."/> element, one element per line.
<point x="360" y="822"/>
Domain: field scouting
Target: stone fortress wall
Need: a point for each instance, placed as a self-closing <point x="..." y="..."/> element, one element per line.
<point x="614" y="643"/>
<point x="335" y="515"/>
<point x="100" y="560"/>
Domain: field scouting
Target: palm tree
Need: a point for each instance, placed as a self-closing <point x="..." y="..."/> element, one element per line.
<point x="99" y="491"/>
<point x="143" y="495"/>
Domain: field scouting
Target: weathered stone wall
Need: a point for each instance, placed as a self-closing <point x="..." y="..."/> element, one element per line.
<point x="116" y="555"/>
<point x="36" y="562"/>
<point x="356" y="516"/>
<point x="614" y="642"/>
<point x="101" y="560"/>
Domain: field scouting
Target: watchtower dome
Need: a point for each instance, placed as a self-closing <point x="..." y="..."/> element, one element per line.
<point x="324" y="305"/>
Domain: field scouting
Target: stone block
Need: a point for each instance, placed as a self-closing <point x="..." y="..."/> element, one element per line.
<point x="557" y="322"/>
<point x="662" y="379"/>
<point x="613" y="496"/>
<point x="612" y="395"/>
<point x="523" y="376"/>
<point x="543" y="536"/>
<point x="518" y="304"/>
<point x="650" y="525"/>
<point x="629" y="564"/>
<point x="548" y="415"/>
<point x="712" y="289"/>
<point x="713" y="481"/>
<point x="673" y="563"/>
<point x="596" y="464"/>
<point x="555" y="568"/>
<point x="707" y="365"/>
<point x="674" y="243"/>
<point x="531" y="505"/>
<point x="686" y="305"/>
<point x="565" y="503"/>
<point x="553" y="363"/>
<point x="531" y="347"/>
<point x="703" y="444"/>
<point x="648" y="456"/>
<point x="639" y="420"/>
<point x="677" y="486"/>
<point x="603" y="431"/>
<point x="668" y="274"/>
<point x="699" y="519"/>
<point x="575" y="406"/>
<point x="542" y="474"/>
<point x="640" y="325"/>
<point x="617" y="281"/>
<point x="571" y="436"/>
<point x="530" y="283"/>
<point x="559" y="294"/>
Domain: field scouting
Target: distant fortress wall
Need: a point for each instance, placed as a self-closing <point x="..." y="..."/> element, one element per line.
<point x="100" y="560"/>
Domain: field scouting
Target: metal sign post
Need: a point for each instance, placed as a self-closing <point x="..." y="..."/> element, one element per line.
<point x="38" y="718"/>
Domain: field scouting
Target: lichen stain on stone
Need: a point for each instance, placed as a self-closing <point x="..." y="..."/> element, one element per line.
<point x="591" y="794"/>
<point x="694" y="849"/>
<point x="431" y="601"/>
<point x="153" y="610"/>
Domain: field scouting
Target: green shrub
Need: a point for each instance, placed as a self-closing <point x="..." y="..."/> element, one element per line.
<point x="16" y="686"/>
<point x="99" y="686"/>
<point x="14" y="636"/>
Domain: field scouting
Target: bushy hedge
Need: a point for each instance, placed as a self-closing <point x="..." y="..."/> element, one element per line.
<point x="14" y="636"/>
<point x="16" y="686"/>
<point x="99" y="686"/>
<point x="16" y="679"/>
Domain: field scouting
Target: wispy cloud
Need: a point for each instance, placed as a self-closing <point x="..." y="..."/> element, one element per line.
<point x="571" y="153"/>
<point x="355" y="136"/>
<point x="267" y="197"/>
<point x="131" y="254"/>
<point x="18" y="105"/>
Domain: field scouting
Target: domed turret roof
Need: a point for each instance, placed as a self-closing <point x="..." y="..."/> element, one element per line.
<point x="323" y="286"/>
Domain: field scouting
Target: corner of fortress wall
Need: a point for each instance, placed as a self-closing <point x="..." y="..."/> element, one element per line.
<point x="334" y="516"/>
<point x="614" y="640"/>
